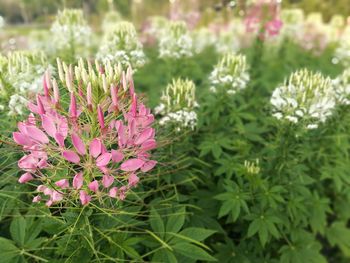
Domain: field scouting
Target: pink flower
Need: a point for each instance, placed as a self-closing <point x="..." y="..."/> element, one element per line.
<point x="102" y="138"/>
<point x="36" y="199"/>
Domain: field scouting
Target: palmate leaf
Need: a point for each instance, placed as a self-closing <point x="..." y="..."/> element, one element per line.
<point x="176" y="220"/>
<point x="196" y="233"/>
<point x="9" y="252"/>
<point x="339" y="235"/>
<point x="18" y="230"/>
<point x="156" y="222"/>
<point x="192" y="251"/>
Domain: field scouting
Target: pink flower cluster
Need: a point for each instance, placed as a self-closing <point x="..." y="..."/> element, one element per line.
<point x="96" y="148"/>
<point x="263" y="19"/>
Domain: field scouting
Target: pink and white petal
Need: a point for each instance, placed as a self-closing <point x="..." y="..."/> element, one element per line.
<point x="78" y="144"/>
<point x="103" y="159"/>
<point x="148" y="166"/>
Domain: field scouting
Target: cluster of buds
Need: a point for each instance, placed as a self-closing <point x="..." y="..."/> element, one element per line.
<point x="21" y="78"/>
<point x="293" y="21"/>
<point x="92" y="150"/>
<point x="178" y="103"/>
<point x="70" y="30"/>
<point x="111" y="19"/>
<point x="306" y="98"/>
<point x="263" y="19"/>
<point x="230" y="74"/>
<point x="175" y="42"/>
<point x="341" y="86"/>
<point x="252" y="168"/>
<point x="121" y="45"/>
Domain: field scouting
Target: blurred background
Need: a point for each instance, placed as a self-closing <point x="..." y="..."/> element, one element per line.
<point x="43" y="11"/>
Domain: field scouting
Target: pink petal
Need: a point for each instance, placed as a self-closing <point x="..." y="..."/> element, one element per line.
<point x="63" y="183"/>
<point x="78" y="180"/>
<point x="122" y="192"/>
<point x="28" y="163"/>
<point x="145" y="135"/>
<point x="48" y="125"/>
<point x="95" y="147"/>
<point x="59" y="138"/>
<point x="56" y="196"/>
<point x="148" y="166"/>
<point x="100" y="117"/>
<point x="71" y="156"/>
<point x="132" y="165"/>
<point x="148" y="145"/>
<point x="84" y="197"/>
<point x="113" y="192"/>
<point x="78" y="144"/>
<point x="117" y="156"/>
<point x="21" y="139"/>
<point x="25" y="178"/>
<point x="133" y="180"/>
<point x="104" y="159"/>
<point x="107" y="180"/>
<point x="37" y="134"/>
<point x="36" y="199"/>
<point x="73" y="106"/>
<point x="93" y="186"/>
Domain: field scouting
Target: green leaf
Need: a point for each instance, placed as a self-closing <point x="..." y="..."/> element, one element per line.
<point x="8" y="250"/>
<point x="176" y="221"/>
<point x="338" y="234"/>
<point x="192" y="251"/>
<point x="196" y="233"/>
<point x="156" y="222"/>
<point x="18" y="230"/>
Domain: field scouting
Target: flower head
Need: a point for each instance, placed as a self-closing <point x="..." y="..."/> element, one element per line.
<point x="293" y="20"/>
<point x="21" y="78"/>
<point x="82" y="151"/>
<point x="70" y="29"/>
<point x="121" y="44"/>
<point x="341" y="86"/>
<point x="263" y="18"/>
<point x="305" y="98"/>
<point x="175" y="42"/>
<point x="178" y="103"/>
<point x="111" y="19"/>
<point x="230" y="74"/>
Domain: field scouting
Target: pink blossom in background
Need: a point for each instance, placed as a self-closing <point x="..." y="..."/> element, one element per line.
<point x="97" y="147"/>
<point x="262" y="18"/>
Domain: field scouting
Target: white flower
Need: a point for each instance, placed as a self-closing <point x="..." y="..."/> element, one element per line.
<point x="121" y="45"/>
<point x="202" y="39"/>
<point x="292" y="20"/>
<point x="110" y="20"/>
<point x="306" y="98"/>
<point x="230" y="74"/>
<point x="342" y="52"/>
<point x="178" y="104"/>
<point x="175" y="41"/>
<point x="341" y="86"/>
<point x="70" y="30"/>
<point x="17" y="105"/>
<point x="22" y="73"/>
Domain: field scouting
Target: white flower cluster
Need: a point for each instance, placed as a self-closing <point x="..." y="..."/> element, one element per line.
<point x="175" y="41"/>
<point x="306" y="98"/>
<point x="110" y="20"/>
<point x="293" y="20"/>
<point x="230" y="74"/>
<point x="21" y="78"/>
<point x="121" y="45"/>
<point x="178" y="103"/>
<point x="342" y="52"/>
<point x="202" y="39"/>
<point x="232" y="37"/>
<point x="341" y="86"/>
<point x="70" y="29"/>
